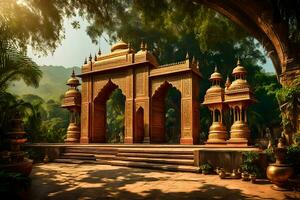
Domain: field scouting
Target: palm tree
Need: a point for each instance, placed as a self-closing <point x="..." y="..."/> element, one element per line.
<point x="15" y="65"/>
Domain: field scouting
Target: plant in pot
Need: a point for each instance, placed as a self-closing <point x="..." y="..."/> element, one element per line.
<point x="206" y="168"/>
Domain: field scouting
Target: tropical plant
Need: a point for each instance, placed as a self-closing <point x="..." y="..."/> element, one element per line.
<point x="206" y="168"/>
<point x="251" y="165"/>
<point x="15" y="65"/>
<point x="293" y="157"/>
<point x="289" y="100"/>
<point x="13" y="184"/>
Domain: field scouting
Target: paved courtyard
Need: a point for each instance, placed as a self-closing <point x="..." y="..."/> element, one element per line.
<point x="72" y="181"/>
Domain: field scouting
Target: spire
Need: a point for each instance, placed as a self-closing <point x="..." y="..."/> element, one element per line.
<point x="228" y="82"/>
<point x="198" y="65"/>
<point x="90" y="58"/>
<point x="216" y="68"/>
<point x="142" y="45"/>
<point x="95" y="58"/>
<point x="85" y="61"/>
<point x="73" y="74"/>
<point x="187" y="56"/>
<point x="99" y="52"/>
<point x="193" y="60"/>
<point x="238" y="62"/>
<point x="146" y="46"/>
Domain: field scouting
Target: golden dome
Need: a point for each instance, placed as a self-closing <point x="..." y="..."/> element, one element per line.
<point x="217" y="127"/>
<point x="72" y="92"/>
<point x="239" y="84"/>
<point x="73" y="81"/>
<point x="214" y="89"/>
<point x="120" y="45"/>
<point x="216" y="75"/>
<point x="239" y="69"/>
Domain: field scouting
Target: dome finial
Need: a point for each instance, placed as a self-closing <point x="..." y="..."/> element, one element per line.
<point x="90" y="58"/>
<point x="238" y="62"/>
<point x="216" y="68"/>
<point x="187" y="56"/>
<point x="228" y="82"/>
<point x="73" y="73"/>
<point x="95" y="58"/>
<point x="142" y="45"/>
<point x="99" y="51"/>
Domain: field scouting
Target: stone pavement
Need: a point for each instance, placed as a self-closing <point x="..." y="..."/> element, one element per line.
<point x="88" y="181"/>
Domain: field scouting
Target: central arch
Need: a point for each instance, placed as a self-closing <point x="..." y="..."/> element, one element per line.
<point x="158" y="115"/>
<point x="99" y="120"/>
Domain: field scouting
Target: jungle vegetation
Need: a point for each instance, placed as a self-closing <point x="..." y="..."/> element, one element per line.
<point x="170" y="28"/>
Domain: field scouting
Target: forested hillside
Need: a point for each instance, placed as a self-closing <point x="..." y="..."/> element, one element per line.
<point x="51" y="86"/>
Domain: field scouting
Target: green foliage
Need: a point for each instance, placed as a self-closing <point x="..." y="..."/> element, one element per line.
<point x="206" y="167"/>
<point x="251" y="164"/>
<point x="173" y="115"/>
<point x="270" y="155"/>
<point x="289" y="100"/>
<point x="115" y="117"/>
<point x="15" y="65"/>
<point x="51" y="85"/>
<point x="47" y="122"/>
<point x="293" y="157"/>
<point x="12" y="184"/>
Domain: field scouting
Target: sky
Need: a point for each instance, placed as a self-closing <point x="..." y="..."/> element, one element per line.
<point x="77" y="45"/>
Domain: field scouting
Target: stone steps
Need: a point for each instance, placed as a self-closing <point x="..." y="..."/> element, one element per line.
<point x="156" y="155"/>
<point x="171" y="159"/>
<point x="157" y="160"/>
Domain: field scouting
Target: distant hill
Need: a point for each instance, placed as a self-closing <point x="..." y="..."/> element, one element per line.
<point x="52" y="84"/>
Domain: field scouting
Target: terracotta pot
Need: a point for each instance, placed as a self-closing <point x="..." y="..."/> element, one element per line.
<point x="279" y="174"/>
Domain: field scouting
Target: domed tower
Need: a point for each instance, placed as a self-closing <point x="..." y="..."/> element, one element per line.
<point x="72" y="102"/>
<point x="213" y="99"/>
<point x="238" y="96"/>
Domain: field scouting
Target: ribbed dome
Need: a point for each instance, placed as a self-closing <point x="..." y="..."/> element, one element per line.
<point x="214" y="89"/>
<point x="239" y="69"/>
<point x="216" y="75"/>
<point x="73" y="81"/>
<point x="120" y="45"/>
<point x="72" y="92"/>
<point x="238" y="84"/>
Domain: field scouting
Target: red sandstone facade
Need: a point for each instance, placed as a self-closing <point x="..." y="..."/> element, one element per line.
<point x="144" y="84"/>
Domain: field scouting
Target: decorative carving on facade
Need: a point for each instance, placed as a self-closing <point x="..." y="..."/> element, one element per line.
<point x="139" y="77"/>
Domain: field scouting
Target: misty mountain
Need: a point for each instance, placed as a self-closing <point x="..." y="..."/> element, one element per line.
<point x="52" y="84"/>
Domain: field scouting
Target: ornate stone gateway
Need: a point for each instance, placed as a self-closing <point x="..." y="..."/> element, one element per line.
<point x="144" y="84"/>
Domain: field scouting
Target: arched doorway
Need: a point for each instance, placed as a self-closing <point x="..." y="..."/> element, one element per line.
<point x="166" y="115"/>
<point x="108" y="115"/>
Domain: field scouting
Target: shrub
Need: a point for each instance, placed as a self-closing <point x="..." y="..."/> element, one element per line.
<point x="251" y="164"/>
<point x="293" y="157"/>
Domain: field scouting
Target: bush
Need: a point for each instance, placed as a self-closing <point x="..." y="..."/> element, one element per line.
<point x="251" y="164"/>
<point x="206" y="168"/>
<point x="293" y="157"/>
<point x="12" y="184"/>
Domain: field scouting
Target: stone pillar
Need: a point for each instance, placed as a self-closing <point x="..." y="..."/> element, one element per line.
<point x="129" y="120"/>
<point x="189" y="110"/>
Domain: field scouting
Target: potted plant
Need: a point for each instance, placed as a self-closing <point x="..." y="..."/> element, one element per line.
<point x="206" y="168"/>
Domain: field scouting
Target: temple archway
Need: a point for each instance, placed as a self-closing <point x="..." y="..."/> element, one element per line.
<point x="159" y="113"/>
<point x="100" y="129"/>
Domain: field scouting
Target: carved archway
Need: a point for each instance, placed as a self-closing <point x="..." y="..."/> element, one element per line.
<point x="98" y="134"/>
<point x="158" y="133"/>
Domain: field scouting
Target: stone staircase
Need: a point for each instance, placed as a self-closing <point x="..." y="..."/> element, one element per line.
<point x="152" y="158"/>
